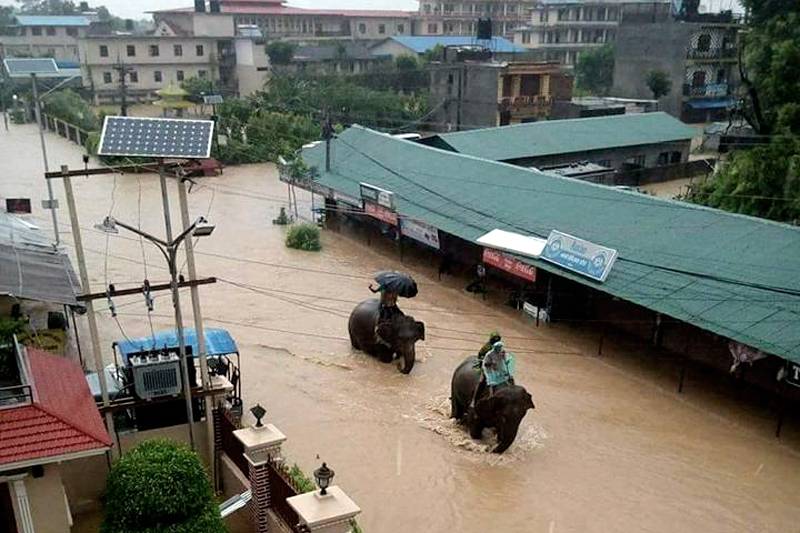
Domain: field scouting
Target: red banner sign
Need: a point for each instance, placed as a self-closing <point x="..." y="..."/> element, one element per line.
<point x="381" y="213"/>
<point x="509" y="264"/>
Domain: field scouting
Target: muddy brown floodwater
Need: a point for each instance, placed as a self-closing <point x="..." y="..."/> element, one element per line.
<point x="610" y="447"/>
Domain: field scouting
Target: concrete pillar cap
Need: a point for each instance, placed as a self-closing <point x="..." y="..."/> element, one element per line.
<point x="323" y="512"/>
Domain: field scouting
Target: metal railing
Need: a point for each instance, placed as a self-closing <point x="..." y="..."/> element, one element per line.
<point x="19" y="392"/>
<point x="282" y="487"/>
<point x="232" y="446"/>
<point x="709" y="90"/>
<point x="65" y="129"/>
<point x="712" y="53"/>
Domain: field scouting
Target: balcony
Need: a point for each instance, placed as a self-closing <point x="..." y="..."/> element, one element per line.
<point x="713" y="54"/>
<point x="525" y="105"/>
<point x="712" y="90"/>
<point x="15" y="389"/>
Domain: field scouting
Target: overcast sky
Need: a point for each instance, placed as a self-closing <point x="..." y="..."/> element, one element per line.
<point x="136" y="8"/>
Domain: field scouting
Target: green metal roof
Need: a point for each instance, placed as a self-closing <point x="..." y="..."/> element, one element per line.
<point x="696" y="264"/>
<point x="551" y="137"/>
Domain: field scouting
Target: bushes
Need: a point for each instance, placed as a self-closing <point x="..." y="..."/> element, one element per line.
<point x="304" y="237"/>
<point x="70" y="107"/>
<point x="160" y="487"/>
<point x="300" y="480"/>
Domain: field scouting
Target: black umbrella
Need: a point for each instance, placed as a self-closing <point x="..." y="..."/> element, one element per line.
<point x="399" y="282"/>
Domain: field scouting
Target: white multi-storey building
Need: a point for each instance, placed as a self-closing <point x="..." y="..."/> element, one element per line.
<point x="45" y="36"/>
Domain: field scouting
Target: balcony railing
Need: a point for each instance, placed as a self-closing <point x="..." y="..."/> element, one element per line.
<point x="14" y="387"/>
<point x="712" y="90"/>
<point x="713" y="53"/>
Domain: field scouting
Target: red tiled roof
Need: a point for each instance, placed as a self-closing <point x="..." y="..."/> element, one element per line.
<point x="63" y="418"/>
<point x="262" y="7"/>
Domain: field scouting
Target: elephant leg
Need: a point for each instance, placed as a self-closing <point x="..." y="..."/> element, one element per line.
<point x="505" y="438"/>
<point x="456" y="409"/>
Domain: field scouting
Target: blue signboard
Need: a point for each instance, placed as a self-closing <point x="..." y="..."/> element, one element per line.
<point x="583" y="257"/>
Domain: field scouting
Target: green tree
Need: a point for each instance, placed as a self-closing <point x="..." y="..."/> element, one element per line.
<point x="770" y="66"/>
<point x="281" y="52"/>
<point x="196" y="87"/>
<point x="48" y="7"/>
<point x="762" y="182"/>
<point x="6" y="18"/>
<point x="70" y="107"/>
<point x="160" y="487"/>
<point x="595" y="70"/>
<point x="658" y="82"/>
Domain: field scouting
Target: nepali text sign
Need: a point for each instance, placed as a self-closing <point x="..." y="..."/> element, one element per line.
<point x="585" y="258"/>
<point x="420" y="231"/>
<point x="377" y="195"/>
<point x="509" y="264"/>
<point x="381" y="213"/>
<point x="793" y="375"/>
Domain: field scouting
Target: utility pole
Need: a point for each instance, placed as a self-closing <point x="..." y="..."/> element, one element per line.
<point x="90" y="316"/>
<point x="327" y="134"/>
<point x="3" y="103"/>
<point x="176" y="304"/>
<point x="51" y="203"/>
<point x="123" y="71"/>
<point x="198" y="324"/>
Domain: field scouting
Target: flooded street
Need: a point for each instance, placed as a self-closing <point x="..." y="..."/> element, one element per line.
<point x="611" y="446"/>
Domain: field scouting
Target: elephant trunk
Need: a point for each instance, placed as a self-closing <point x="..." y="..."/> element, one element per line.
<point x="407" y="357"/>
<point x="507" y="432"/>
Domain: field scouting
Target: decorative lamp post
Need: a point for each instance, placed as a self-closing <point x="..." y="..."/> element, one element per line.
<point x="323" y="475"/>
<point x="259" y="413"/>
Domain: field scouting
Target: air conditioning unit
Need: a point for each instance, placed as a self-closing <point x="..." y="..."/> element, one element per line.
<point x="156" y="375"/>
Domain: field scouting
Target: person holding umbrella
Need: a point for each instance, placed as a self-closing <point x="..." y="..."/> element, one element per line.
<point x="391" y="284"/>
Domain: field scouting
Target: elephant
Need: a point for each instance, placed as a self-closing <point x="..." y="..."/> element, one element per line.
<point x="401" y="334"/>
<point x="503" y="411"/>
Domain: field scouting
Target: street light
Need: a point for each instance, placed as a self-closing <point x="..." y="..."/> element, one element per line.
<point x="200" y="228"/>
<point x="323" y="475"/>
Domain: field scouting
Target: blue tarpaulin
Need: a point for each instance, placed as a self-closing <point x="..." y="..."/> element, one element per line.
<point x="710" y="104"/>
<point x="218" y="342"/>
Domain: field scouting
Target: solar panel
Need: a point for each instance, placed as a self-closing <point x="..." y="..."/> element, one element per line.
<point x="156" y="137"/>
<point x="212" y="99"/>
<point x="21" y="67"/>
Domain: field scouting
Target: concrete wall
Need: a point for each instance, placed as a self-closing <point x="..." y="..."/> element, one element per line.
<point x="392" y="48"/>
<point x="371" y="27"/>
<point x="85" y="479"/>
<point x="47" y="502"/>
<point x="252" y="66"/>
<point x="60" y="46"/>
<point x="213" y="25"/>
<point x="479" y="86"/>
<point x="651" y="46"/>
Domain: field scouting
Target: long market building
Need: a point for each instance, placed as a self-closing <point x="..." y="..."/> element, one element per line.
<point x="697" y="281"/>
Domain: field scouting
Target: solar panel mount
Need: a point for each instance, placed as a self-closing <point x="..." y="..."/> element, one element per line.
<point x="156" y="137"/>
<point x="24" y="67"/>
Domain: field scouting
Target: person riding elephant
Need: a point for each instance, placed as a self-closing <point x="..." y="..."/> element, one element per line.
<point x="493" y="338"/>
<point x="388" y="310"/>
<point x="502" y="410"/>
<point x="387" y="337"/>
<point x="496" y="366"/>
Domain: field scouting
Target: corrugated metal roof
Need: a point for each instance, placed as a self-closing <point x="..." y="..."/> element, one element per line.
<point x="218" y="342"/>
<point x="551" y="137"/>
<point x="52" y="20"/>
<point x="421" y="44"/>
<point x="699" y="265"/>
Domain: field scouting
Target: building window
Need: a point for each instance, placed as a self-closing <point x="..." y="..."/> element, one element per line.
<point x="605" y="163"/>
<point x="663" y="158"/>
<point x="433" y="28"/>
<point x="107" y="77"/>
<point x="704" y="43"/>
<point x="202" y="74"/>
<point x="199" y="50"/>
<point x="381" y="28"/>
<point x="401" y="28"/>
<point x="675" y="157"/>
<point x="362" y="28"/>
<point x="157" y="76"/>
<point x="637" y="160"/>
<point x="134" y="76"/>
<point x="154" y="52"/>
<point x="179" y="75"/>
<point x="103" y="50"/>
<point x="36" y="30"/>
<point x="131" y="50"/>
<point x="699" y="78"/>
<point x="51" y="31"/>
<point x="543" y="15"/>
<point x="177" y="50"/>
<point x="427" y="8"/>
<point x="51" y="52"/>
<point x="526" y="37"/>
<point x="721" y="76"/>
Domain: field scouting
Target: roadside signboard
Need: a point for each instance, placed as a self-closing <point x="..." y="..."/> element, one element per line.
<point x="793" y="374"/>
<point x="583" y="257"/>
<point x="509" y="264"/>
<point x="381" y="213"/>
<point x="375" y="194"/>
<point x="420" y="231"/>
